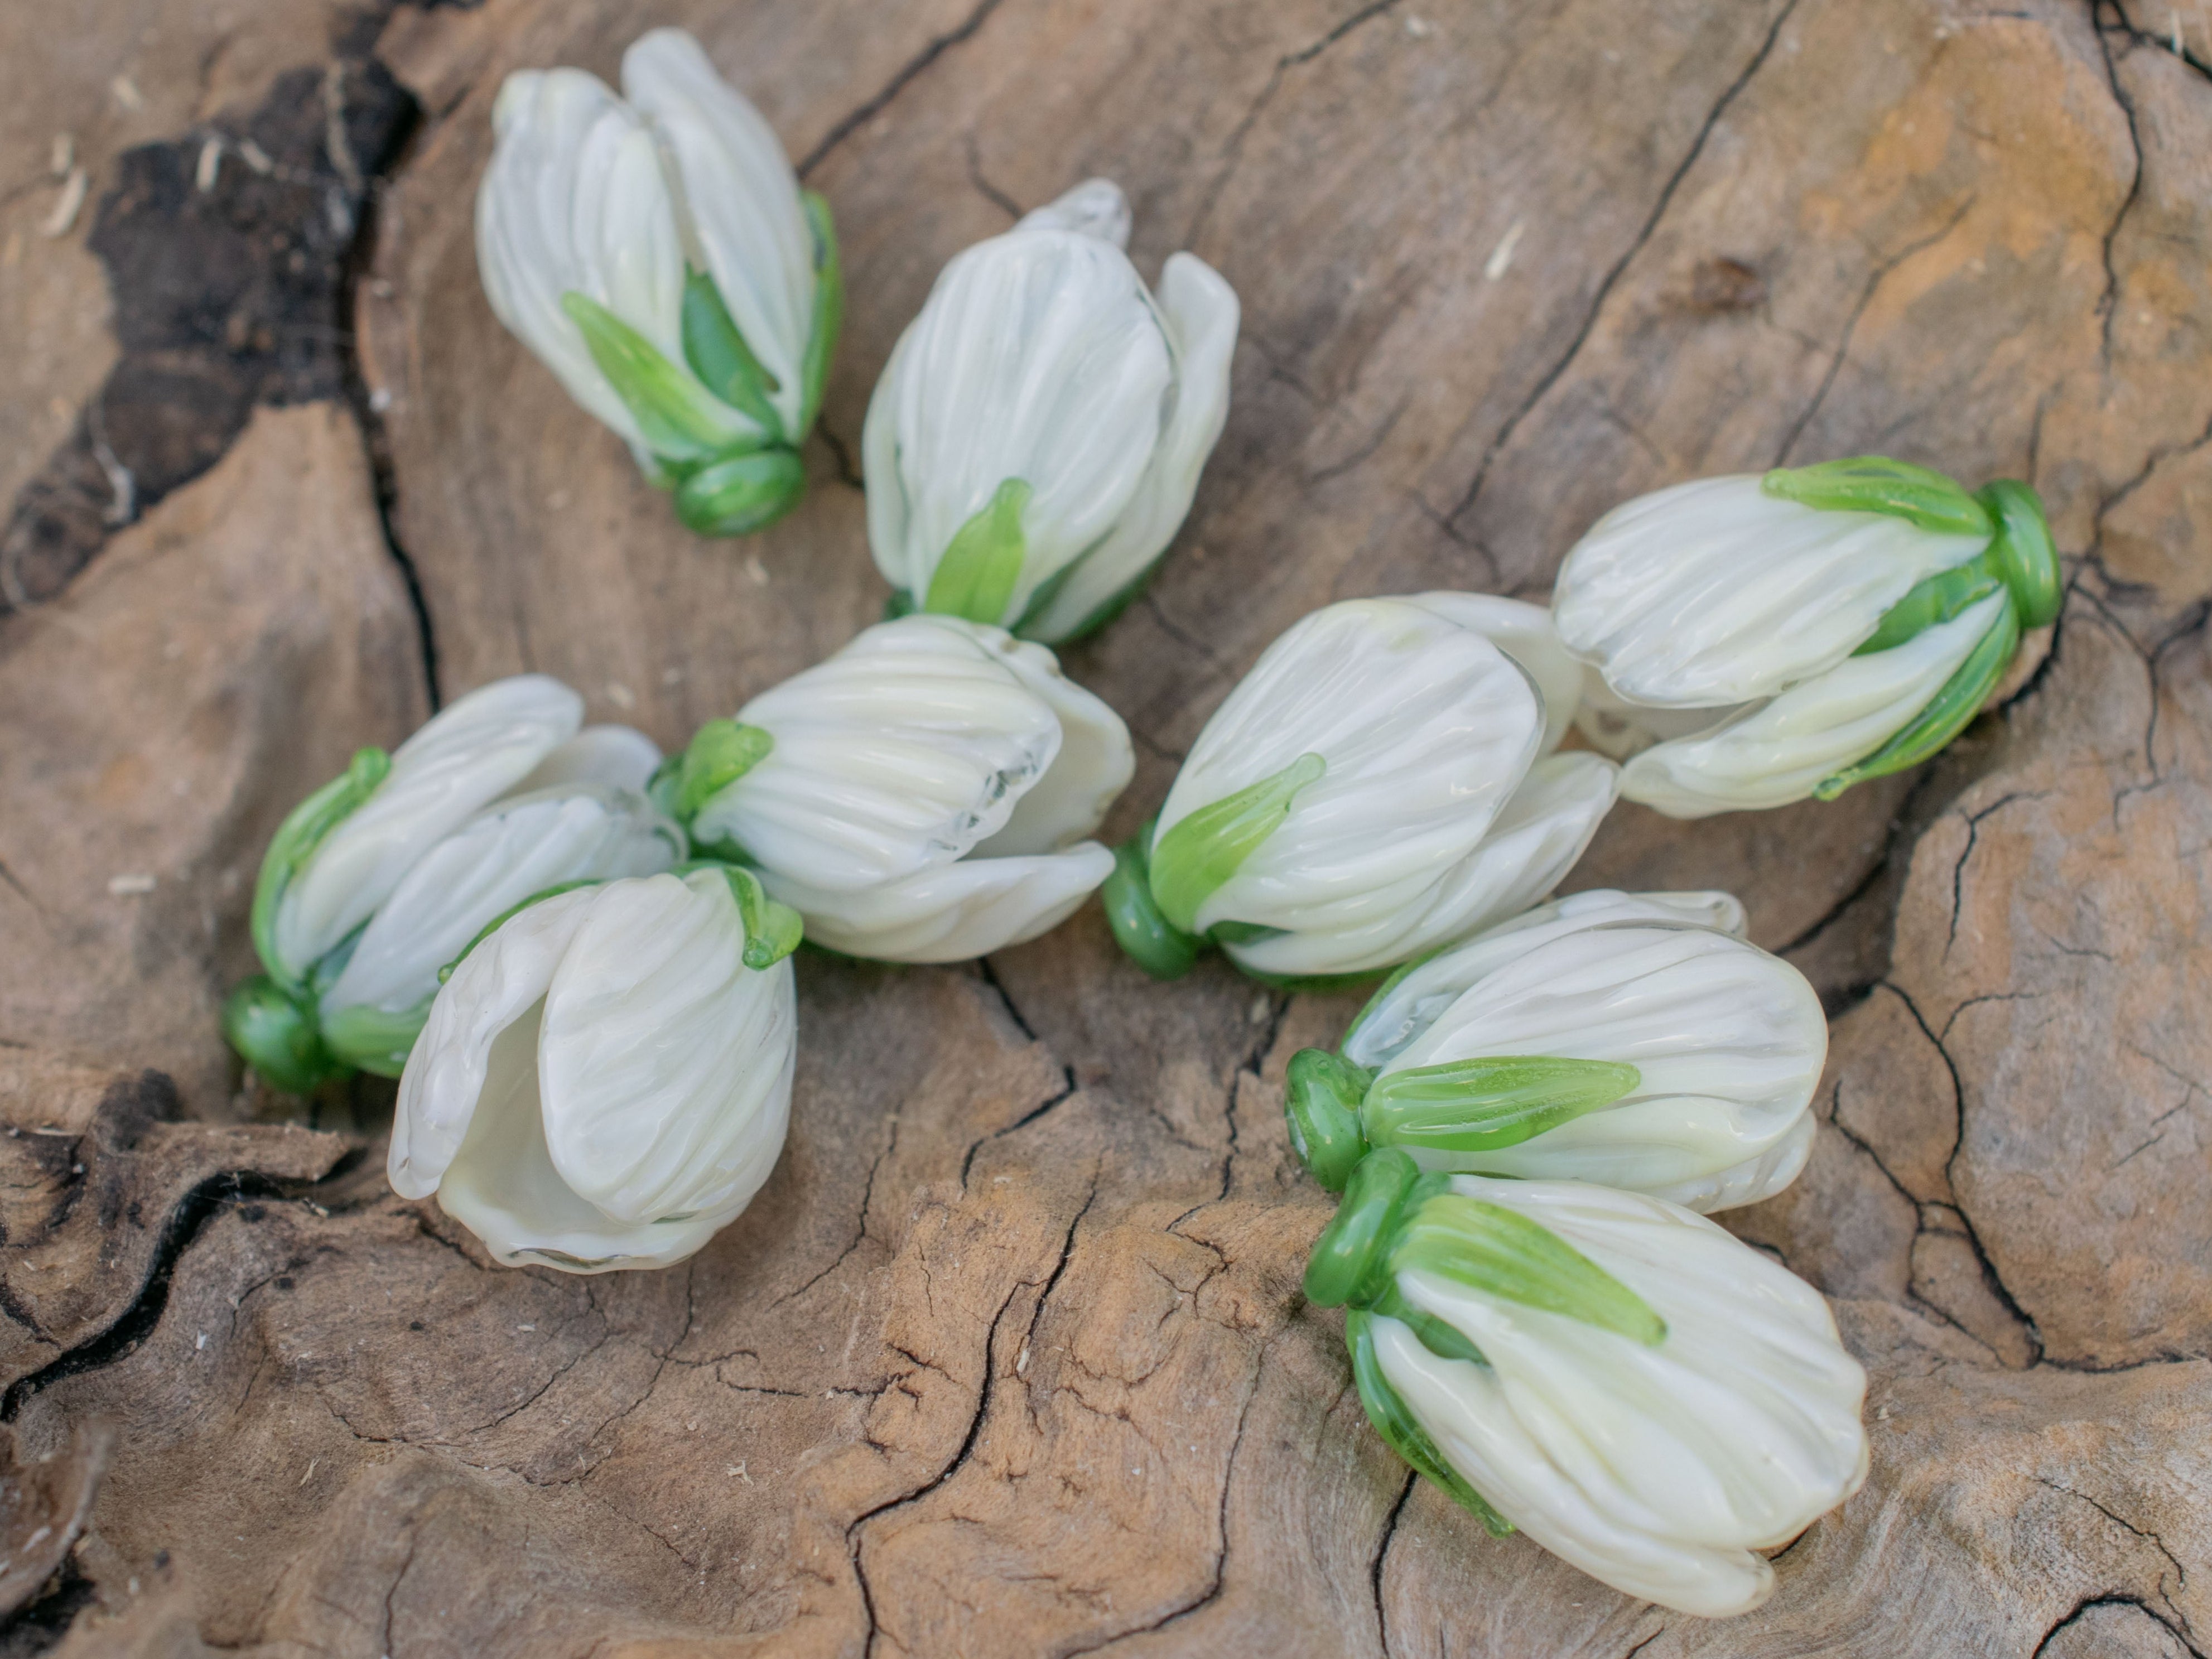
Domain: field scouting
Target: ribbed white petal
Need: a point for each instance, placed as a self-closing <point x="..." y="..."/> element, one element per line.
<point x="741" y="198"/>
<point x="1095" y="207"/>
<point x="1752" y="1182"/>
<point x="1529" y="848"/>
<point x="666" y="1062"/>
<point x="1661" y="1471"/>
<point x="1200" y="312"/>
<point x="1715" y="592"/>
<point x="616" y="757"/>
<point x="1095" y="763"/>
<point x="1406" y="1006"/>
<point x="896" y="755"/>
<point x="1039" y="357"/>
<point x="954" y="912"/>
<point x="1427" y="727"/>
<point x="573" y="200"/>
<point x="522" y="845"/>
<point x="1523" y="632"/>
<point x="1780" y="752"/>
<point x="1730" y="1042"/>
<point x="503" y="979"/>
<point x="468" y="754"/>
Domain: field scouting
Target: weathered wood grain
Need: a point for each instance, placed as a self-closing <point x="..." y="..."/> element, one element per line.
<point x="1009" y="1358"/>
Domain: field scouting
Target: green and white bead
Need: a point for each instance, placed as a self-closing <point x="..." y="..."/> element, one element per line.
<point x="1756" y="639"/>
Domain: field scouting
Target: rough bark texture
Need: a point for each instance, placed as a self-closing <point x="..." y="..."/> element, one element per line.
<point x="1010" y="1357"/>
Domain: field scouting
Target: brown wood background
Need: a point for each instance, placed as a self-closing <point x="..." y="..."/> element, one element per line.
<point x="1009" y="1359"/>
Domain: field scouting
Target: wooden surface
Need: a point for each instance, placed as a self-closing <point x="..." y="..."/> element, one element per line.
<point x="1009" y="1358"/>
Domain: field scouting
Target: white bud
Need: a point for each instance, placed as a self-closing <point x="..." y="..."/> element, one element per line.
<point x="1721" y="622"/>
<point x="1661" y="1470"/>
<point x="614" y="204"/>
<point x="929" y="792"/>
<point x="1041" y="361"/>
<point x="603" y="1083"/>
<point x="1439" y="810"/>
<point x="1727" y="1041"/>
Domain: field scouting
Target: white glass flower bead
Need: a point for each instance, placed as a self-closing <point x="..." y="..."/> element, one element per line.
<point x="1035" y="439"/>
<point x="655" y="251"/>
<point x="605" y="1082"/>
<point x="1760" y="640"/>
<point x="925" y="794"/>
<point x="383" y="876"/>
<point x="1381" y="783"/>
<point x="1631" y="1039"/>
<point x="1644" y="1396"/>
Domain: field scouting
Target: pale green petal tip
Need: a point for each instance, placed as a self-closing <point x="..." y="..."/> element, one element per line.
<point x="1203" y="850"/>
<point x="773" y="929"/>
<point x="719" y="754"/>
<point x="1875" y="483"/>
<point x="981" y="566"/>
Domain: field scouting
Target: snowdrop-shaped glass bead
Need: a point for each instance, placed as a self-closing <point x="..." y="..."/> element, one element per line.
<point x="927" y="794"/>
<point x="1640" y="1393"/>
<point x="605" y="1082"/>
<point x="1764" y="638"/>
<point x="385" y="875"/>
<point x="1629" y="1039"/>
<point x="1381" y="784"/>
<point x="655" y="251"/>
<point x="1035" y="439"/>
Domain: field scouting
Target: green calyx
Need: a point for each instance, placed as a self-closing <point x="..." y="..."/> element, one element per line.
<point x="716" y="350"/>
<point x="681" y="420"/>
<point x="1154" y="943"/>
<point x="274" y="1032"/>
<point x="980" y="567"/>
<point x="741" y="493"/>
<point x="1208" y="846"/>
<point x="1394" y="1421"/>
<point x="295" y="843"/>
<point x="375" y="1039"/>
<point x="1321" y="1106"/>
<point x="829" y="310"/>
<point x="719" y="753"/>
<point x="1350" y="1261"/>
<point x="1338" y="1110"/>
<point x="773" y="929"/>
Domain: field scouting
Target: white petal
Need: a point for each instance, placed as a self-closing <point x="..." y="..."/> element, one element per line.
<point x="522" y="845"/>
<point x="502" y="980"/>
<point x="1201" y="311"/>
<point x="1523" y="632"/>
<point x="896" y="755"/>
<point x="1730" y="1042"/>
<point x="667" y="1063"/>
<point x="573" y="201"/>
<point x="1781" y="751"/>
<point x="1426" y="728"/>
<point x="1752" y="1182"/>
<point x="468" y="754"/>
<point x="1095" y="763"/>
<point x="1661" y="1470"/>
<point x="1715" y="592"/>
<point x="1039" y="357"/>
<point x="1095" y="207"/>
<point x="503" y="1188"/>
<point x="1529" y="850"/>
<point x="954" y="912"/>
<point x="616" y="757"/>
<point x="742" y="199"/>
<point x="1406" y="1006"/>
